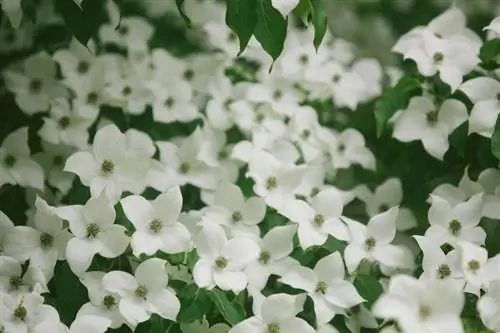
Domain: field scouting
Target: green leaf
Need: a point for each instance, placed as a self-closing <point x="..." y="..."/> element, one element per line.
<point x="369" y="288"/>
<point x="458" y="139"/>
<point x="490" y="53"/>
<point x="195" y="303"/>
<point x="241" y="17"/>
<point x="394" y="99"/>
<point x="319" y="21"/>
<point x="271" y="27"/>
<point x="180" y="7"/>
<point x="303" y="10"/>
<point x="232" y="312"/>
<point x="495" y="140"/>
<point x="83" y="22"/>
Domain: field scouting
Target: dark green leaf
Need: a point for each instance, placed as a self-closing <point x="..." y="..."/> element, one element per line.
<point x="458" y="139"/>
<point x="241" y="17"/>
<point x="303" y="10"/>
<point x="489" y="53"/>
<point x="319" y="21"/>
<point x="369" y="288"/>
<point x="495" y="140"/>
<point x="83" y="22"/>
<point x="180" y="7"/>
<point x="232" y="312"/>
<point x="394" y="99"/>
<point x="271" y="28"/>
<point x="195" y="303"/>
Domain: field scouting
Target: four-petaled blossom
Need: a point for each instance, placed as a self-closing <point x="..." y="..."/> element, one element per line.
<point x="157" y="223"/>
<point x="373" y="241"/>
<point x="326" y="285"/>
<point x="143" y="294"/>
<point x="95" y="232"/>
<point x="221" y="260"/>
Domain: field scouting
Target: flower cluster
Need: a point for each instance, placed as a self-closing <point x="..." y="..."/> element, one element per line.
<point x="199" y="191"/>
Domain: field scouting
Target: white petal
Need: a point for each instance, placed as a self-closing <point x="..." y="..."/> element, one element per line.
<point x="203" y="273"/>
<point x="250" y="325"/>
<point x="296" y="325"/>
<point x="138" y="210"/>
<point x="382" y="227"/>
<point x="343" y="294"/>
<point x="452" y="113"/>
<point x="165" y="304"/>
<point x="240" y="251"/>
<point x="168" y="205"/>
<point x="435" y="141"/>
<point x="119" y="282"/>
<point x="176" y="238"/>
<point x="483" y="117"/>
<point x="84" y="165"/>
<point x="328" y="202"/>
<point x="330" y="268"/>
<point x="210" y="241"/>
<point x="229" y="195"/>
<point x="80" y="253"/>
<point x="145" y="242"/>
<point x="114" y="241"/>
<point x="301" y="278"/>
<point x="451" y="76"/>
<point x="285" y="6"/>
<point x="481" y="89"/>
<point x="410" y="126"/>
<point x="88" y="323"/>
<point x="389" y="255"/>
<point x="310" y="235"/>
<point x="278" y="307"/>
<point x="353" y="255"/>
<point x="133" y="311"/>
<point x="279" y="241"/>
<point x="152" y="274"/>
<point x="298" y="211"/>
<point x="227" y="280"/>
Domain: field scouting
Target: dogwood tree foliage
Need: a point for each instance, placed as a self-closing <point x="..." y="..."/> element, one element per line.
<point x="235" y="166"/>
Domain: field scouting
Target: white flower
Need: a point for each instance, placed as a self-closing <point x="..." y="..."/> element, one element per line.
<point x="232" y="211"/>
<point x="275" y="248"/>
<point x="77" y="61"/>
<point x="221" y="37"/>
<point x="219" y="108"/>
<point x="129" y="94"/>
<point x="285" y="6"/>
<point x="317" y="220"/>
<point x="477" y="268"/>
<point x="36" y="86"/>
<point x="276" y="313"/>
<point x="90" y="323"/>
<point x="52" y="160"/>
<point x="274" y="90"/>
<point x="156" y="223"/>
<point x="179" y="165"/>
<point x="102" y="302"/>
<point x="95" y="232"/>
<point x="458" y="223"/>
<point x="484" y="92"/>
<point x="221" y="260"/>
<point x="274" y="180"/>
<point x="488" y="306"/>
<point x="421" y="305"/>
<point x="387" y="195"/>
<point x="438" y="265"/>
<point x="494" y="26"/>
<point x="373" y="241"/>
<point x="326" y="286"/>
<point x="44" y="245"/>
<point x="466" y="187"/>
<point x="17" y="167"/>
<point x="144" y="294"/>
<point x="111" y="166"/>
<point x="133" y="33"/>
<point x="360" y="317"/>
<point x="16" y="281"/>
<point x="422" y="121"/>
<point x="452" y="59"/>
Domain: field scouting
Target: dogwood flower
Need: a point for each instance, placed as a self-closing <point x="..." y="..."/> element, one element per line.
<point x="102" y="303"/>
<point x="494" y="26"/>
<point x="373" y="241"/>
<point x="484" y="92"/>
<point x="387" y="195"/>
<point x="234" y="213"/>
<point x="326" y="285"/>
<point x="95" y="232"/>
<point x="156" y="223"/>
<point x="360" y="317"/>
<point x="423" y="121"/>
<point x="421" y="305"/>
<point x="133" y="33"/>
<point x="36" y="85"/>
<point x="16" y="281"/>
<point x="277" y="313"/>
<point x="317" y="220"/>
<point x="17" y="167"/>
<point x="274" y="180"/>
<point x="42" y="245"/>
<point x="143" y="294"/>
<point x="110" y="167"/>
<point x="221" y="260"/>
<point x="275" y="248"/>
<point x="52" y="160"/>
<point x="453" y="224"/>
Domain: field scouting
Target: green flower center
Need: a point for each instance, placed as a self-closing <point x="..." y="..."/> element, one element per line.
<point x="432" y="118"/>
<point x="83" y="67"/>
<point x="438" y="57"/>
<point x="336" y="78"/>
<point x="188" y="74"/>
<point x="123" y="30"/>
<point x="92" y="97"/>
<point x="321" y="287"/>
<point x="443" y="271"/>
<point x="314" y="191"/>
<point x="20" y="313"/>
<point x="35" y="86"/>
<point x="424" y="312"/>
<point x="223" y="155"/>
<point x="109" y="301"/>
<point x="305" y="134"/>
<point x="304" y="59"/>
<point x="64" y="122"/>
<point x="93" y="230"/>
<point x="58" y="160"/>
<point x="46" y="240"/>
<point x="264" y="257"/>
<point x="278" y="94"/>
<point x="107" y="166"/>
<point x="126" y="91"/>
<point x="474" y="266"/>
<point x="319" y="220"/>
<point x="236" y="216"/>
<point x="271" y="183"/>
<point x="341" y="148"/>
<point x="383" y="208"/>
<point x="273" y="328"/>
<point x="221" y="262"/>
<point x="169" y="102"/>
<point x="15" y="282"/>
<point x="184" y="168"/>
<point x="155" y="225"/>
<point x="370" y="243"/>
<point x="9" y="161"/>
<point x="141" y="292"/>
<point x="455" y="227"/>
